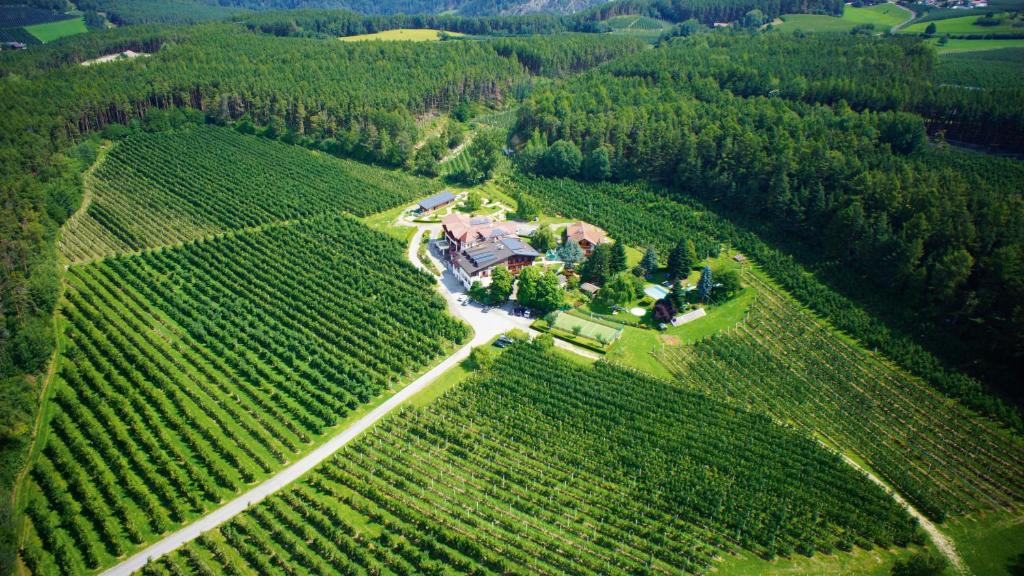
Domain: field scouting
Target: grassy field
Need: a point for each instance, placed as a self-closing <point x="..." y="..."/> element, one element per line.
<point x="51" y="31"/>
<point x="883" y="16"/>
<point x="955" y="45"/>
<point x="637" y="346"/>
<point x="407" y="34"/>
<point x="964" y="25"/>
<point x="990" y="543"/>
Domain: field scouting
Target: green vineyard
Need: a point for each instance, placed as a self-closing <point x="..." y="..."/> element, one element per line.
<point x="782" y="361"/>
<point x="898" y="424"/>
<point x="188" y="373"/>
<point x="636" y="23"/>
<point x="166" y="188"/>
<point x="542" y="466"/>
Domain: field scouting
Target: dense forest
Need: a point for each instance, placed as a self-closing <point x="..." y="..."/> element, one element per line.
<point x="861" y="194"/>
<point x="868" y="74"/>
<point x="347" y="17"/>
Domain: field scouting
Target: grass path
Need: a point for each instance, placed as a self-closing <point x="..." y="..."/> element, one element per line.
<point x="942" y="543"/>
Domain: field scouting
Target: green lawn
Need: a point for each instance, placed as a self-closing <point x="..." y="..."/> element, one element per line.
<point x="51" y="31"/>
<point x="409" y="34"/>
<point x="989" y="543"/>
<point x="965" y="25"/>
<point x="385" y="222"/>
<point x="636" y="347"/>
<point x="587" y="329"/>
<point x="883" y="16"/>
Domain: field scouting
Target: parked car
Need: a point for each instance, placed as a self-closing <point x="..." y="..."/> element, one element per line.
<point x="526" y="313"/>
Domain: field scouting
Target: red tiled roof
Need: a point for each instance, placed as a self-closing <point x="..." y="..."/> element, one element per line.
<point x="582" y="231"/>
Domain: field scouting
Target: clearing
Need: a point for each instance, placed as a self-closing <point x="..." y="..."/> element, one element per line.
<point x="408" y="34"/>
<point x="882" y="16"/>
<point x="51" y="31"/>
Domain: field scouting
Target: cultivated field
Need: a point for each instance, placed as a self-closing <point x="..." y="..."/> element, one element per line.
<point x="782" y="361"/>
<point x="51" y="31"/>
<point x="188" y="373"/>
<point x="408" y="34"/>
<point x="544" y="465"/>
<point x="639" y="26"/>
<point x="171" y="187"/>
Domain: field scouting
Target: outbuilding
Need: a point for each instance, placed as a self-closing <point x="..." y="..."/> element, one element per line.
<point x="436" y="201"/>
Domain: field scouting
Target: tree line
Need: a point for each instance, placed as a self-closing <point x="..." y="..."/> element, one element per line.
<point x="859" y="193"/>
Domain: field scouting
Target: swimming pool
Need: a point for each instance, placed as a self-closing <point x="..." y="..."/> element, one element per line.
<point x="655" y="291"/>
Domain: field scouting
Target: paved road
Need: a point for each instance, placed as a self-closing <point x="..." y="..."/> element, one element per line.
<point x="292" y="472"/>
<point x="486" y="326"/>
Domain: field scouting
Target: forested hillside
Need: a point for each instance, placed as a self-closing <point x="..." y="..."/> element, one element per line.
<point x="861" y="195"/>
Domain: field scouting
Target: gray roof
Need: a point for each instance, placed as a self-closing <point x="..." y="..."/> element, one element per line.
<point x="436" y="200"/>
<point x="519" y="248"/>
<point x="478" y="220"/>
<point x="487" y="255"/>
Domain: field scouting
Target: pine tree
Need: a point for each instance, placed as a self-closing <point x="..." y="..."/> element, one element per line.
<point x="617" y="260"/>
<point x="597" y="266"/>
<point x="681" y="259"/>
<point x="570" y="253"/>
<point x="705" y="285"/>
<point x="649" y="264"/>
<point x="677" y="296"/>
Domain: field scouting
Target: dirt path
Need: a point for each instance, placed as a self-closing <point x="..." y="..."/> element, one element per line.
<point x="944" y="545"/>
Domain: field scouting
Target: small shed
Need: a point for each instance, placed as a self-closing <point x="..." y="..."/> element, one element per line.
<point x="739" y="257"/>
<point x="589" y="289"/>
<point x="436" y="201"/>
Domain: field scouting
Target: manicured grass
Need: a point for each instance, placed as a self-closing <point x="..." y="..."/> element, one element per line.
<point x="637" y="346"/>
<point x="635" y="349"/>
<point x="965" y="25"/>
<point x="53" y="30"/>
<point x="409" y="34"/>
<point x="859" y="562"/>
<point x="587" y="329"/>
<point x="386" y="222"/>
<point x="963" y="45"/>
<point x="989" y="542"/>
